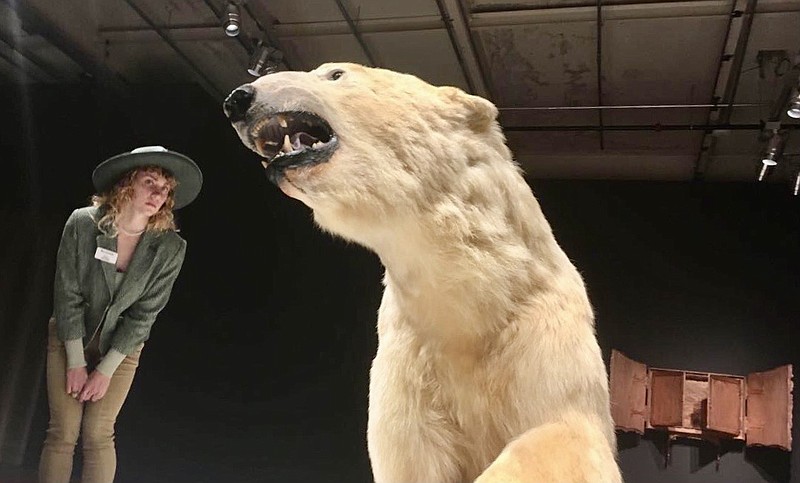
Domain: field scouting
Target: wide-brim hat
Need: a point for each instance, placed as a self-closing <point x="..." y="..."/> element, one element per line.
<point x="185" y="171"/>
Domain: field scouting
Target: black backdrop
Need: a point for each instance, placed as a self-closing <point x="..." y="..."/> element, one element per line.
<point x="258" y="368"/>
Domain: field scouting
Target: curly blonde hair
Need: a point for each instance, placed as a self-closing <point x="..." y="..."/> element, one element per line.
<point x="111" y="202"/>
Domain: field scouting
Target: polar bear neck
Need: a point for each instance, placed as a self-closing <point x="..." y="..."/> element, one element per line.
<point x="461" y="270"/>
<point x="465" y="244"/>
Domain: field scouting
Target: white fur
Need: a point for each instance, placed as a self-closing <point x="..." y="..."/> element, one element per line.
<point x="486" y="334"/>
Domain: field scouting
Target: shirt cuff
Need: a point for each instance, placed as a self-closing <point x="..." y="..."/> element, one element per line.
<point x="110" y="362"/>
<point x="75" y="357"/>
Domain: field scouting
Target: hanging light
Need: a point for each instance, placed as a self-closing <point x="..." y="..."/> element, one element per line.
<point x="264" y="60"/>
<point x="794" y="107"/>
<point x="771" y="155"/>
<point x="774" y="148"/>
<point x="232" y="23"/>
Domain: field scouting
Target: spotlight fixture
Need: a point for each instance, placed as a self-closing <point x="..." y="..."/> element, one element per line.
<point x="794" y="106"/>
<point x="796" y="184"/>
<point x="232" y="22"/>
<point x="264" y="60"/>
<point x="773" y="152"/>
<point x="763" y="172"/>
<point x="774" y="148"/>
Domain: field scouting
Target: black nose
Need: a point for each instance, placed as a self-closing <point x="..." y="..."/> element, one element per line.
<point x="238" y="102"/>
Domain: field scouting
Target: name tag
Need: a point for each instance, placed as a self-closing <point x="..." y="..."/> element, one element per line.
<point x="105" y="255"/>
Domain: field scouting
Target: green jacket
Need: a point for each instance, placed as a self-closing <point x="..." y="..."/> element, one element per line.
<point x="84" y="285"/>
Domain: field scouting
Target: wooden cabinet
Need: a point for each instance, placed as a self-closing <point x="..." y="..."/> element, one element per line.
<point x="756" y="408"/>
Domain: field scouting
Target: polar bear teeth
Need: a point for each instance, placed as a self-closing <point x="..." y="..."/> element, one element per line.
<point x="290" y="133"/>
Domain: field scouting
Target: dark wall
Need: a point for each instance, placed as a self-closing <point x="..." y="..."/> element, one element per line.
<point x="257" y="370"/>
<point x="696" y="277"/>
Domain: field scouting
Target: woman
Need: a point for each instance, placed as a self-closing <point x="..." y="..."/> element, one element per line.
<point x="116" y="265"/>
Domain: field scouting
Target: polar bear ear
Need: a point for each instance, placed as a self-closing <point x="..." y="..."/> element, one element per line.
<point x="479" y="113"/>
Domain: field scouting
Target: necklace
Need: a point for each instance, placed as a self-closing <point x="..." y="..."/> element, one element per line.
<point x="131" y="233"/>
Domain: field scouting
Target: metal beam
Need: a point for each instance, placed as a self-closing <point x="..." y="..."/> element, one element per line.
<point x="790" y="83"/>
<point x="356" y="33"/>
<point x="16" y="60"/>
<point x="459" y="30"/>
<point x="743" y="22"/>
<point x="22" y="56"/>
<point x="14" y="70"/>
<point x="202" y="79"/>
<point x="34" y="21"/>
<point x="728" y="71"/>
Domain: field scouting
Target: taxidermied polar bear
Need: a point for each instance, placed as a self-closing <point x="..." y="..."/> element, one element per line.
<point x="487" y="364"/>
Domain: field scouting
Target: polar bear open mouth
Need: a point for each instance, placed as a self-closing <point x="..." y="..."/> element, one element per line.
<point x="292" y="139"/>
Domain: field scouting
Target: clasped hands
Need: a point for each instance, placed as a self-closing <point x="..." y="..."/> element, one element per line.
<point x="86" y="387"/>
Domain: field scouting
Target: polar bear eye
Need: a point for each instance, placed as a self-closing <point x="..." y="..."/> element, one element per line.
<point x="335" y="74"/>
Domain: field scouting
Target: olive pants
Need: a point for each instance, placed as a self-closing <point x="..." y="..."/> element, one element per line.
<point x="93" y="421"/>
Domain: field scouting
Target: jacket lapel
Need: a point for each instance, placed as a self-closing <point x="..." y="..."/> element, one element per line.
<point x="141" y="263"/>
<point x="109" y="269"/>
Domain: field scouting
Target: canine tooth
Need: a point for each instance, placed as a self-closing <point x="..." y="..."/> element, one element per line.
<point x="282" y="122"/>
<point x="265" y="164"/>
<point x="316" y="144"/>
<point x="287" y="144"/>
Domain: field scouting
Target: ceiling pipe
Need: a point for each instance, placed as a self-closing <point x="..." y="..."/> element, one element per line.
<point x="316" y="29"/>
<point x="522" y="8"/>
<point x="356" y="33"/>
<point x="585" y="11"/>
<point x="204" y="80"/>
<point x="600" y="70"/>
<point x="708" y="128"/>
<point x="623" y="107"/>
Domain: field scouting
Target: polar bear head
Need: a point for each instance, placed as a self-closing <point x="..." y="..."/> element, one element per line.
<point x="356" y="144"/>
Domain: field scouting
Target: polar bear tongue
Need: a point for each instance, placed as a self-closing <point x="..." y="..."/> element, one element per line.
<point x="302" y="139"/>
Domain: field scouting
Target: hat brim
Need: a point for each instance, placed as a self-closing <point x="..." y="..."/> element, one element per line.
<point x="185" y="171"/>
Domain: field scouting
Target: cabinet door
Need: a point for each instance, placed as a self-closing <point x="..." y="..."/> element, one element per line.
<point x="628" y="392"/>
<point x="725" y="404"/>
<point x="666" y="398"/>
<point x="769" y="408"/>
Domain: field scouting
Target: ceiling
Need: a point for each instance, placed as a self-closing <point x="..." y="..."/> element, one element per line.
<point x="605" y="89"/>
